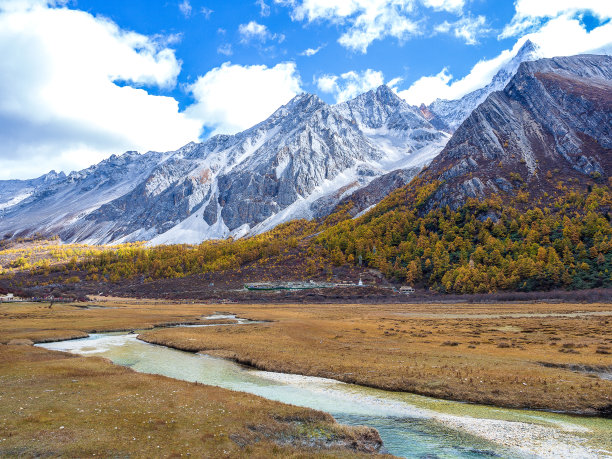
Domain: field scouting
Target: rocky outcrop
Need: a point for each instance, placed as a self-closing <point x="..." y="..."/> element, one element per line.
<point x="364" y="198"/>
<point x="450" y="114"/>
<point x="553" y="120"/>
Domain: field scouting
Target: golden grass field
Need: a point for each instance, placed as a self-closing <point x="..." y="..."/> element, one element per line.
<point x="510" y="355"/>
<point x="57" y="404"/>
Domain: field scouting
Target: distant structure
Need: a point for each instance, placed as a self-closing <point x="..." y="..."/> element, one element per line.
<point x="406" y="290"/>
<point x="8" y="298"/>
<point x="360" y="282"/>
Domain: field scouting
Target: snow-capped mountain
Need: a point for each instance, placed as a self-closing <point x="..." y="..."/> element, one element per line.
<point x="391" y="124"/>
<point x="453" y="112"/>
<point x="306" y="154"/>
<point x="57" y="202"/>
<point x="552" y="123"/>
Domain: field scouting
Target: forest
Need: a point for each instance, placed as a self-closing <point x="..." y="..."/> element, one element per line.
<point x="498" y="244"/>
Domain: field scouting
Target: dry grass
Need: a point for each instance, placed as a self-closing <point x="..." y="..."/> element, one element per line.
<point x="39" y="322"/>
<point x="107" y="410"/>
<point x="55" y="404"/>
<point x="476" y="353"/>
<point x="512" y="355"/>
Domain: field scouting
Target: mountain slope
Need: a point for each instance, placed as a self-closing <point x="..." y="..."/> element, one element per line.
<point x="552" y="122"/>
<point x="299" y="163"/>
<point x="53" y="202"/>
<point x="451" y="113"/>
<point x="519" y="199"/>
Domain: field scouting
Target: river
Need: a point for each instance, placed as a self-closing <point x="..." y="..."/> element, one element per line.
<point x="410" y="425"/>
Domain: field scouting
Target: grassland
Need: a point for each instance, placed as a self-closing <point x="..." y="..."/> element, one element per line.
<point x="514" y="355"/>
<point x="57" y="404"/>
<point x="539" y="356"/>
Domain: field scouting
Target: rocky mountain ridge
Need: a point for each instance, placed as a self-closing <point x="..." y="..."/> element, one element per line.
<point x="552" y="124"/>
<point x="298" y="163"/>
<point x="449" y="114"/>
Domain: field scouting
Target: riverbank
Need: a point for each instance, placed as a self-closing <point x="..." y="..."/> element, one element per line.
<point x="508" y="355"/>
<point x="56" y="404"/>
<point x="410" y="425"/>
<point x="514" y="355"/>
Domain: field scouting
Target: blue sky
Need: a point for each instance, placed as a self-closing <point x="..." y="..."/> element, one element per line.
<point x="208" y="38"/>
<point x="83" y="79"/>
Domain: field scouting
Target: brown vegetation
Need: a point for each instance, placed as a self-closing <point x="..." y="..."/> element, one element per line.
<point x="57" y="404"/>
<point x="523" y="356"/>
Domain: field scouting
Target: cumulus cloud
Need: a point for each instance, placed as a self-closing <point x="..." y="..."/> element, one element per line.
<point x="231" y="98"/>
<point x="264" y="8"/>
<point x="452" y="6"/>
<point x="206" y="12"/>
<point x="530" y="14"/>
<point x="350" y="84"/>
<point x="467" y="28"/>
<point x="71" y="90"/>
<point x="225" y="49"/>
<point x="310" y="51"/>
<point x="560" y="36"/>
<point x="366" y="20"/>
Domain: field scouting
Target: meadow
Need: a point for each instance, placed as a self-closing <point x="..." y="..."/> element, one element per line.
<point x="520" y="355"/>
<point x="58" y="404"/>
<point x="540" y="356"/>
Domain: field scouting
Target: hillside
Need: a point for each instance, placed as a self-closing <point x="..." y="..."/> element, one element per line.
<point x="551" y="126"/>
<point x="518" y="199"/>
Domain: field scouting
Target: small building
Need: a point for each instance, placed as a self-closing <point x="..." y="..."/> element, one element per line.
<point x="7" y="298"/>
<point x="406" y="290"/>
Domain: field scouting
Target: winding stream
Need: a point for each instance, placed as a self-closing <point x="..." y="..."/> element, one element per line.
<point x="410" y="425"/>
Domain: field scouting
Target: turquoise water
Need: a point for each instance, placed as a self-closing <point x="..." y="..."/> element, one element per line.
<point x="410" y="425"/>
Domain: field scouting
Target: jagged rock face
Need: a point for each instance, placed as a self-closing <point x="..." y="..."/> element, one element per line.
<point x="371" y="194"/>
<point x="451" y="113"/>
<point x="389" y="122"/>
<point x="53" y="201"/>
<point x="12" y="192"/>
<point x="554" y="115"/>
<point x="293" y="164"/>
<point x="306" y="152"/>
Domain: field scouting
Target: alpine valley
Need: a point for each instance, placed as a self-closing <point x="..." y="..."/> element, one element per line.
<point x="372" y="277"/>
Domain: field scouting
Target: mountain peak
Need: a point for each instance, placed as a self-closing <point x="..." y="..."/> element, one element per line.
<point x="383" y="89"/>
<point x="305" y="98"/>
<point x="530" y="51"/>
<point x="528" y="47"/>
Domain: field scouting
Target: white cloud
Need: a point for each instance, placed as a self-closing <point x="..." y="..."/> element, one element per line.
<point x="367" y="20"/>
<point x="561" y="36"/>
<point x="232" y="98"/>
<point x="467" y="28"/>
<point x="310" y="51"/>
<point x="452" y="6"/>
<point x="254" y="31"/>
<point x="264" y="9"/>
<point x="350" y="84"/>
<point x="225" y="49"/>
<point x="206" y="12"/>
<point x="531" y="13"/>
<point x="185" y="8"/>
<point x="59" y="104"/>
